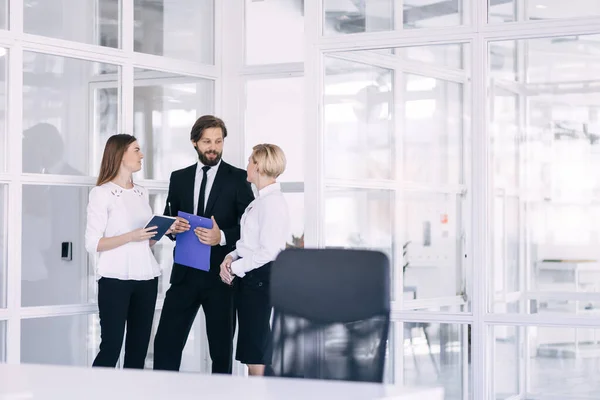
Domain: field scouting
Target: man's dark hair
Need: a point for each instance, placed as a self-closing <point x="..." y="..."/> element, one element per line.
<point x="205" y="122"/>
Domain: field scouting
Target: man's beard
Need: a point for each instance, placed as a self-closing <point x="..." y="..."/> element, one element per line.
<point x="203" y="157"/>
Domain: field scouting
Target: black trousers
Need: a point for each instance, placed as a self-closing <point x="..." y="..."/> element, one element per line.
<point x="182" y="302"/>
<point x="125" y="302"/>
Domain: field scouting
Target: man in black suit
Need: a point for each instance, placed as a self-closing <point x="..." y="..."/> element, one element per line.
<point x="211" y="188"/>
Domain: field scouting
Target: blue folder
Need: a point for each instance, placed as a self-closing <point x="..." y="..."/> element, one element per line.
<point x="189" y="251"/>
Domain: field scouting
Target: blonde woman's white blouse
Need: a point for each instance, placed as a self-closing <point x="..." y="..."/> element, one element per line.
<point x="265" y="227"/>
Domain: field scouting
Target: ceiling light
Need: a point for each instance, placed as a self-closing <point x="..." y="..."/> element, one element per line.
<point x="541" y="6"/>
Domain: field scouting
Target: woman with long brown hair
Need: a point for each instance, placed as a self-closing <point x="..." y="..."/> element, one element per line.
<point x="127" y="270"/>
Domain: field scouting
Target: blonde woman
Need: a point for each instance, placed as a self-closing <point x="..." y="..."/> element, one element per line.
<point x="265" y="227"/>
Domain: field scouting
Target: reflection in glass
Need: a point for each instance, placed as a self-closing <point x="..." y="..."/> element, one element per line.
<point x="87" y="21"/>
<point x="359" y="218"/>
<point x="503" y="61"/>
<point x="295" y="203"/>
<point x="433" y="232"/>
<point x="360" y="111"/>
<point x="447" y="55"/>
<point x="433" y="130"/>
<point x="3" y="109"/>
<point x="433" y="14"/>
<point x="545" y="362"/>
<point x="505" y="132"/>
<point x="506" y="253"/>
<point x="438" y="355"/>
<point x="535" y="10"/>
<point x="165" y="108"/>
<point x="411" y="139"/>
<point x="4" y="14"/>
<point x="274" y="114"/>
<point x="3" y="242"/>
<point x="357" y="17"/>
<point x="286" y="20"/>
<point x="65" y="340"/>
<point x="53" y="215"/>
<point x="501" y="11"/>
<point x="545" y="127"/>
<point x="359" y="137"/>
<point x="3" y="343"/>
<point x="378" y="15"/>
<point x="389" y="369"/>
<point x="57" y="140"/>
<point x="181" y="29"/>
<point x="106" y="101"/>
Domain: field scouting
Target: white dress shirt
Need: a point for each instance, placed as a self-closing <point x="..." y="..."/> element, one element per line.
<point x="113" y="211"/>
<point x="265" y="227"/>
<point x="210" y="179"/>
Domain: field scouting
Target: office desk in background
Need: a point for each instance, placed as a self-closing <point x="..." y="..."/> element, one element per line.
<point x="38" y="382"/>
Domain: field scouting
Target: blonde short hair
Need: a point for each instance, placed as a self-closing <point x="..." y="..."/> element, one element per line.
<point x="269" y="158"/>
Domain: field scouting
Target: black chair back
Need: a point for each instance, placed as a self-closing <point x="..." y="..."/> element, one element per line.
<point x="331" y="314"/>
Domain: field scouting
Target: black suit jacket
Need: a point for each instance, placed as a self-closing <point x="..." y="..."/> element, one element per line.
<point x="228" y="198"/>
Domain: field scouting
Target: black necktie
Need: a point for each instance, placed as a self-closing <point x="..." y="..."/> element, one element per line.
<point x="200" y="211"/>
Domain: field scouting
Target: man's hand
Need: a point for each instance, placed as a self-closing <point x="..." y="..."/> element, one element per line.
<point x="225" y="274"/>
<point x="179" y="226"/>
<point x="171" y="228"/>
<point x="211" y="237"/>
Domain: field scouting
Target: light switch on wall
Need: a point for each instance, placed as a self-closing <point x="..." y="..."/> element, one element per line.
<point x="66" y="251"/>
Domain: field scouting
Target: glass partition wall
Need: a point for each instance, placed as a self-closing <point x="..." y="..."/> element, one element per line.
<point x="544" y="200"/>
<point x="459" y="137"/>
<point x="396" y="139"/>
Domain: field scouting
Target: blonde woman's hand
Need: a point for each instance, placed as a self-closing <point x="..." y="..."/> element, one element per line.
<point x="225" y="273"/>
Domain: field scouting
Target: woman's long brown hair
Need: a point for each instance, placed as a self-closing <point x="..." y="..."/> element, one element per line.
<point x="115" y="148"/>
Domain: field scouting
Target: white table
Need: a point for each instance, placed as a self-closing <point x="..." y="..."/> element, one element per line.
<point x="37" y="382"/>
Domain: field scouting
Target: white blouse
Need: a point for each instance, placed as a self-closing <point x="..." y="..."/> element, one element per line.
<point x="265" y="227"/>
<point x="113" y="211"/>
